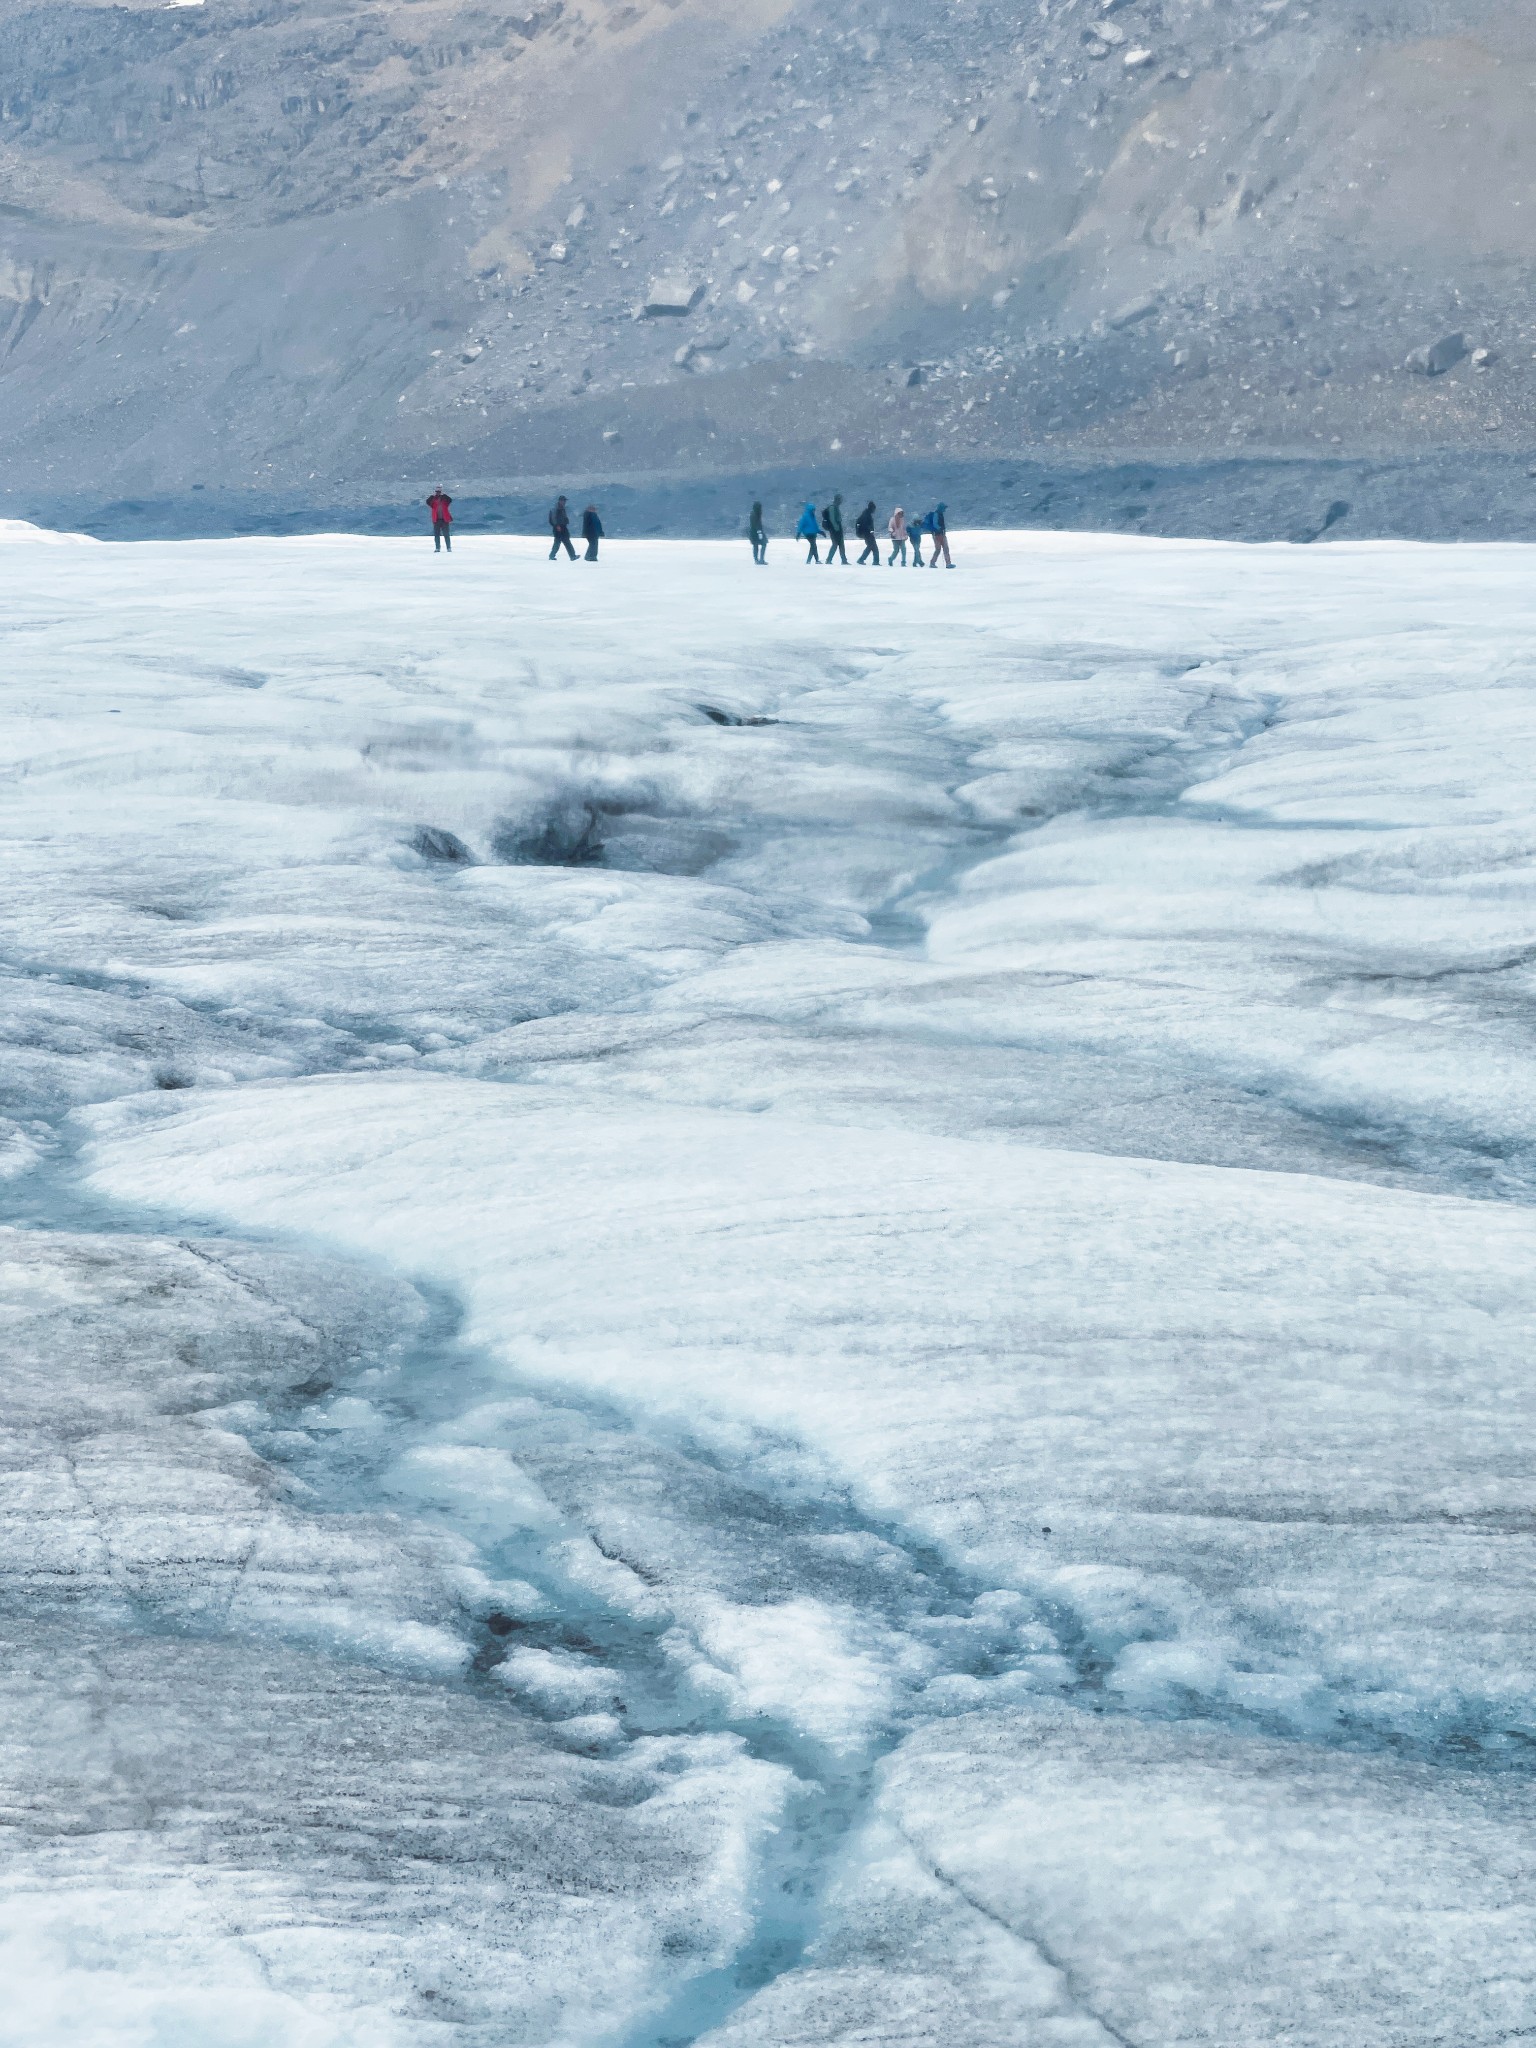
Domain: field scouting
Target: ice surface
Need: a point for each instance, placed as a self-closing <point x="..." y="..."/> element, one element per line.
<point x="1274" y="1423"/>
<point x="211" y="1836"/>
<point x="1053" y="1876"/>
<point x="1191" y="1885"/>
<point x="220" y="1841"/>
<point x="978" y="1132"/>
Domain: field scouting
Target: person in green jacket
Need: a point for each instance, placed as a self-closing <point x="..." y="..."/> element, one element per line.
<point x="832" y="527"/>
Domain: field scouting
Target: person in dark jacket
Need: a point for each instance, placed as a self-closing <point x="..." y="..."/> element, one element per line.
<point x="864" y="527"/>
<point x="939" y="545"/>
<point x="808" y="531"/>
<point x="591" y="532"/>
<point x="832" y="527"/>
<point x="757" y="533"/>
<point x="560" y="527"/>
<point x="440" y="505"/>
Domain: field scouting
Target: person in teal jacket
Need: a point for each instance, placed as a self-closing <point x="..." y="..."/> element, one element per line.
<point x="809" y="530"/>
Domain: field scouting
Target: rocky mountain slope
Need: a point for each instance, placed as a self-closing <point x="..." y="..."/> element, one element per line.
<point x="315" y="247"/>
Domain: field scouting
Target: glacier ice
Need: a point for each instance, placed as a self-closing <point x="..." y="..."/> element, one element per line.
<point x="862" y="1375"/>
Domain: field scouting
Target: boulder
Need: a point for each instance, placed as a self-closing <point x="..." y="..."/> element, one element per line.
<point x="1134" y="310"/>
<point x="671" y="298"/>
<point x="1435" y="358"/>
<point x="1304" y="535"/>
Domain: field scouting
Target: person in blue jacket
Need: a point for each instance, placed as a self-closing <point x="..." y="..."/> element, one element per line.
<point x="591" y="532"/>
<point x="809" y="530"/>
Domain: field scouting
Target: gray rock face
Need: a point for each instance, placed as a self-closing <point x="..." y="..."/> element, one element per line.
<point x="280" y="245"/>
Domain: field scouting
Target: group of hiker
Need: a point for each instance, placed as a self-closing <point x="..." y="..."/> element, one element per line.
<point x="560" y="527"/>
<point x="813" y="527"/>
<point x="440" y="505"/>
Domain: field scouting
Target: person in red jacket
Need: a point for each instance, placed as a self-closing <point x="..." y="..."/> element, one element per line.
<point x="440" y="505"/>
